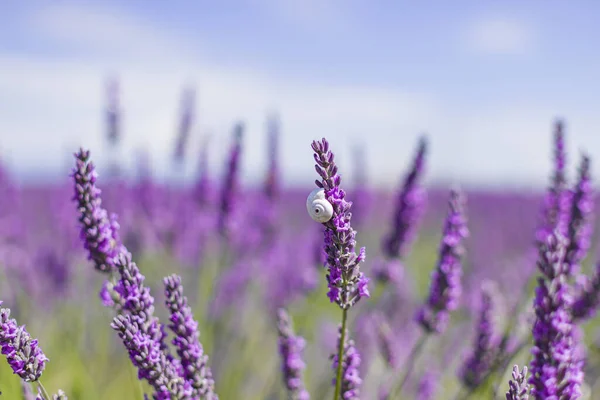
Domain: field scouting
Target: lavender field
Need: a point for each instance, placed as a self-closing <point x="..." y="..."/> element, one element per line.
<point x="217" y="289"/>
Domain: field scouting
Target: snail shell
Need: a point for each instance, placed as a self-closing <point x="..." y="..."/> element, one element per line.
<point x="318" y="207"/>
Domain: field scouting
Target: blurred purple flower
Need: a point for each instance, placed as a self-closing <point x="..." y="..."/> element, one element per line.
<point x="230" y="183"/>
<point x="445" y="289"/>
<point x="292" y="365"/>
<point x="351" y="380"/>
<point x="579" y="230"/>
<point x="188" y="102"/>
<point x="409" y="208"/>
<point x="483" y="356"/>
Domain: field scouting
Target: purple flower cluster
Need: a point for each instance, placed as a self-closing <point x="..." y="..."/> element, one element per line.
<point x="23" y="353"/>
<point x="483" y="356"/>
<point x="99" y="232"/>
<point x="351" y="380"/>
<point x="346" y="283"/>
<point x="556" y="370"/>
<point x="409" y="207"/>
<point x="427" y="386"/>
<point x="292" y="365"/>
<point x="579" y="230"/>
<point x="113" y="112"/>
<point x="518" y="388"/>
<point x="445" y="289"/>
<point x="194" y="363"/>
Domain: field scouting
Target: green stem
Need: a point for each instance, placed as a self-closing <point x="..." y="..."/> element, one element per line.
<point x="412" y="359"/>
<point x="338" y="381"/>
<point x="45" y="394"/>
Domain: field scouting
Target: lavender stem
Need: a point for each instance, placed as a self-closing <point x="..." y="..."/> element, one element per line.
<point x="412" y="358"/>
<point x="43" y="390"/>
<point x="338" y="380"/>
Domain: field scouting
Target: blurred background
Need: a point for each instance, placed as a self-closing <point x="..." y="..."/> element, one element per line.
<point x="157" y="92"/>
<point x="483" y="79"/>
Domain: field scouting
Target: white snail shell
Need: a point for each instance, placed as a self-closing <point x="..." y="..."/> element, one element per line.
<point x="318" y="207"/>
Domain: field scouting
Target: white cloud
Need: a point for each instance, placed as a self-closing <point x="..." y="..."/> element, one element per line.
<point x="499" y="35"/>
<point x="53" y="101"/>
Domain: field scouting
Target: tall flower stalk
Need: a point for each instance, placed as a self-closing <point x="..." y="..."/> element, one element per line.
<point x="445" y="288"/>
<point x="347" y="285"/>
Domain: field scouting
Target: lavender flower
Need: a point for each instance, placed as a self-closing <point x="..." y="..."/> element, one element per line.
<point x="137" y="302"/>
<point x="409" y="207"/>
<point x="22" y="352"/>
<point x="555" y="211"/>
<point x="351" y="382"/>
<point x="518" y="389"/>
<point x="230" y="184"/>
<point x="478" y="364"/>
<point x="579" y="230"/>
<point x="146" y="354"/>
<point x="556" y="370"/>
<point x="290" y="349"/>
<point x="445" y="288"/>
<point x="98" y="232"/>
<point x="194" y="362"/>
<point x="346" y="283"/>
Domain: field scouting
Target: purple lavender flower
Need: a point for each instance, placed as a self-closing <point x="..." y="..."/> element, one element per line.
<point x="98" y="232"/>
<point x="518" y="388"/>
<point x="445" y="289"/>
<point x="409" y="207"/>
<point x="346" y="283"/>
<point x="483" y="356"/>
<point x="230" y="183"/>
<point x="23" y="353"/>
<point x="556" y="370"/>
<point x="188" y="100"/>
<point x="292" y="365"/>
<point x="555" y="210"/>
<point x="579" y="230"/>
<point x="194" y="362"/>
<point x="137" y="302"/>
<point x="351" y="381"/>
<point x="152" y="363"/>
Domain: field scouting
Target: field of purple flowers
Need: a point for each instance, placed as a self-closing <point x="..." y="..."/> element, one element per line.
<point x="217" y="290"/>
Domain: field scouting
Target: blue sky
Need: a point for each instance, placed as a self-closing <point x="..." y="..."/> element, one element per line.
<point x="484" y="80"/>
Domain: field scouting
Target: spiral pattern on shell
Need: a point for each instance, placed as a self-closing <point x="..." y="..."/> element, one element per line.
<point x="318" y="207"/>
